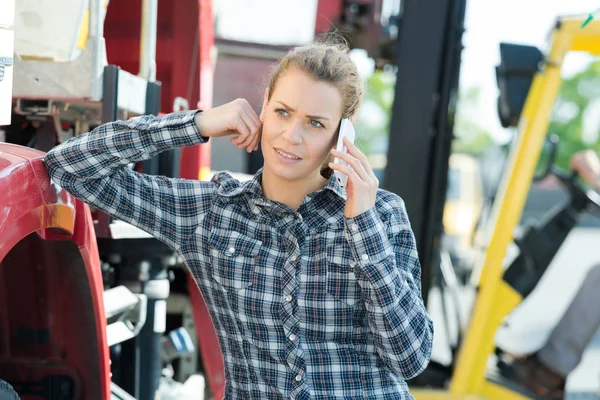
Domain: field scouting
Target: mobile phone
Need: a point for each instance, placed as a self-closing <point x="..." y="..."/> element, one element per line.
<point x="346" y="130"/>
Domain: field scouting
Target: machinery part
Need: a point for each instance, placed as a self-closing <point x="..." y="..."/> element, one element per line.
<point x="175" y="344"/>
<point x="518" y="66"/>
<point x="426" y="86"/>
<point x="119" y="394"/>
<point x="125" y="312"/>
<point x="80" y="79"/>
<point x="539" y="244"/>
<point x="137" y="362"/>
<point x="58" y="387"/>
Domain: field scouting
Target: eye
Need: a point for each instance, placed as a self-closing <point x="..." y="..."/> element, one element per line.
<point x="316" y="123"/>
<point x="281" y="112"/>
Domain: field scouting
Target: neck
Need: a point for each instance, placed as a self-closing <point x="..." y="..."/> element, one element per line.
<point x="290" y="193"/>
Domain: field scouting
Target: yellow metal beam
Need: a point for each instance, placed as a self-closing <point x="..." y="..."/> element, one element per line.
<point x="586" y="39"/>
<point x="496" y="299"/>
<point x="425" y="394"/>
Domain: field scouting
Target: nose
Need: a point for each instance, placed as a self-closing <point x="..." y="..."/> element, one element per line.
<point x="293" y="133"/>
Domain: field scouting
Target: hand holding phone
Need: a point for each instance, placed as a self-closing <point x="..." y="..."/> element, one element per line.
<point x="346" y="130"/>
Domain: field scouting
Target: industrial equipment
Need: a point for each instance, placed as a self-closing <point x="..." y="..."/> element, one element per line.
<point x="94" y="308"/>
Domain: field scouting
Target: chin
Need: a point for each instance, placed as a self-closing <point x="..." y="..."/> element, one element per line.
<point x="286" y="172"/>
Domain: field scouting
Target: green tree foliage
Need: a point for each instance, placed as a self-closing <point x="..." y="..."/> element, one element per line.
<point x="374" y="123"/>
<point x="470" y="137"/>
<point x="373" y="126"/>
<point x="577" y="109"/>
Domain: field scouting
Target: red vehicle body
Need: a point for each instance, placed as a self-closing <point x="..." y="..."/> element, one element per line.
<point x="49" y="265"/>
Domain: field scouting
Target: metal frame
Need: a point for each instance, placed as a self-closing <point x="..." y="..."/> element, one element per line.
<point x="426" y="83"/>
<point x="496" y="298"/>
<point x="152" y="106"/>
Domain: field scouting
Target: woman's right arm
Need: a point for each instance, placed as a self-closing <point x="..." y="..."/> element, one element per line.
<point x="93" y="166"/>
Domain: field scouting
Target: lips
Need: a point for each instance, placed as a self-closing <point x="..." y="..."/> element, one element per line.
<point x="287" y="154"/>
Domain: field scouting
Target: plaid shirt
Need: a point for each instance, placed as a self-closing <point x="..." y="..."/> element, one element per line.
<point x="306" y="303"/>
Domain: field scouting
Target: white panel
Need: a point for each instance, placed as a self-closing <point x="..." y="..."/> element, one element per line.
<point x="160" y="316"/>
<point x="6" y="75"/>
<point x="48" y="29"/>
<point x="7" y="13"/>
<point x="132" y="93"/>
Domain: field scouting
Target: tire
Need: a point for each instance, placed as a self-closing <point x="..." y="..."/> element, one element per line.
<point x="7" y="392"/>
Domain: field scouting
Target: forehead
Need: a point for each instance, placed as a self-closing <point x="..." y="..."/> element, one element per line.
<point x="300" y="91"/>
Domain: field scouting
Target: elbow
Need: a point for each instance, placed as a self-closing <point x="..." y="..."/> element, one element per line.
<point x="55" y="172"/>
<point x="52" y="164"/>
<point x="60" y="175"/>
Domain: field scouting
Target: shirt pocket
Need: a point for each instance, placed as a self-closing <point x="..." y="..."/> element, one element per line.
<point x="341" y="281"/>
<point x="233" y="258"/>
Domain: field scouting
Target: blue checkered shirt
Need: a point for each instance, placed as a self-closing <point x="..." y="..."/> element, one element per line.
<point x="306" y="303"/>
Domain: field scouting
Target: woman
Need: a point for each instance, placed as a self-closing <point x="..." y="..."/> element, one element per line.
<point x="314" y="290"/>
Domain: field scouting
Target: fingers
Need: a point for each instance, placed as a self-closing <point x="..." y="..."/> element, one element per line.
<point x="354" y="163"/>
<point x="254" y="145"/>
<point x="356" y="153"/>
<point x="355" y="159"/>
<point x="249" y="127"/>
<point x="358" y="164"/>
<point x="357" y="182"/>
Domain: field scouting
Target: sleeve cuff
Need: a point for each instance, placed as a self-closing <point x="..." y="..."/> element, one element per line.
<point x="177" y="129"/>
<point x="368" y="238"/>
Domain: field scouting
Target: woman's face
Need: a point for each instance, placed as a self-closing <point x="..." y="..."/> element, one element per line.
<point x="300" y="124"/>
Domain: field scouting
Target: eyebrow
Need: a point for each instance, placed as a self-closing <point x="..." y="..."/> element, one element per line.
<point x="309" y="116"/>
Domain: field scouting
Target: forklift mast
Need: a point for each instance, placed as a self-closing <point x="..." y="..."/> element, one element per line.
<point x="421" y="130"/>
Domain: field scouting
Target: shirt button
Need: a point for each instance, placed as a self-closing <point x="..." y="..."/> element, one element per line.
<point x="298" y="377"/>
<point x="292" y="337"/>
<point x="231" y="250"/>
<point x="288" y="297"/>
<point x="354" y="227"/>
<point x="364" y="257"/>
<point x="294" y="257"/>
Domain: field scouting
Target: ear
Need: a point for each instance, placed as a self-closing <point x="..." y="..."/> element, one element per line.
<point x="264" y="106"/>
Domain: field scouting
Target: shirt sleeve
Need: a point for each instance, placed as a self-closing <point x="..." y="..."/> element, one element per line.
<point x="94" y="168"/>
<point x="389" y="273"/>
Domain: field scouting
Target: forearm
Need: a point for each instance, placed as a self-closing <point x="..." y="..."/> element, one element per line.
<point x="388" y="271"/>
<point x="111" y="146"/>
<point x="93" y="168"/>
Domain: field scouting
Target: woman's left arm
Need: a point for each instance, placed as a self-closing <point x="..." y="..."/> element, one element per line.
<point x="389" y="274"/>
<point x="387" y="269"/>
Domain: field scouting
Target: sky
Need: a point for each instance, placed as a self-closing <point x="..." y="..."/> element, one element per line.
<point x="489" y="22"/>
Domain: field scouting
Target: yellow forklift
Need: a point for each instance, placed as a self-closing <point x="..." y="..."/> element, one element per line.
<point x="427" y="56"/>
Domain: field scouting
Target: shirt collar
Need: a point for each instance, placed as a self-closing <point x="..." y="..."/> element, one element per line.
<point x="253" y="187"/>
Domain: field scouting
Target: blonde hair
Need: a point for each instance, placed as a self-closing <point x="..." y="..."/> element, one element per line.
<point x="327" y="60"/>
